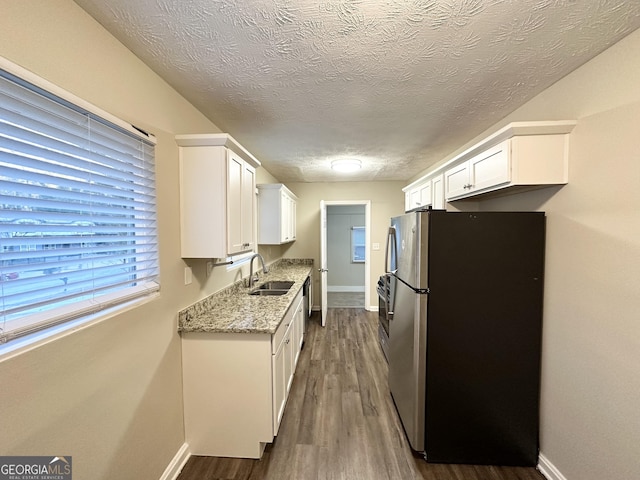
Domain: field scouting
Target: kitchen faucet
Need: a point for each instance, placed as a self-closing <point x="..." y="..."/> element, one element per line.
<point x="264" y="269"/>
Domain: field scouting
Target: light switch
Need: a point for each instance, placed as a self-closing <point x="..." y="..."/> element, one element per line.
<point x="188" y="275"/>
<point x="375" y="246"/>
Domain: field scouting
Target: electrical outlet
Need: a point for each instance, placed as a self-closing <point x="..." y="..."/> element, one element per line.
<point x="375" y="246"/>
<point x="188" y="276"/>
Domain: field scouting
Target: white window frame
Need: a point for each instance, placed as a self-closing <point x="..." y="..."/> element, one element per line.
<point x="355" y="229"/>
<point x="141" y="289"/>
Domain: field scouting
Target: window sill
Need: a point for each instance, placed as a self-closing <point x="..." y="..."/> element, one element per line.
<point x="27" y="343"/>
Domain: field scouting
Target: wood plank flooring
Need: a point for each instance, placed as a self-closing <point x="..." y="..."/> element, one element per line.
<point x="340" y="422"/>
<point x="345" y="299"/>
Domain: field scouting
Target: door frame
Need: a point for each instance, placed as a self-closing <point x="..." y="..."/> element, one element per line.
<point x="323" y="250"/>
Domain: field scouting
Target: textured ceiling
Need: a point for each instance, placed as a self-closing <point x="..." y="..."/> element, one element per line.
<point x="398" y="84"/>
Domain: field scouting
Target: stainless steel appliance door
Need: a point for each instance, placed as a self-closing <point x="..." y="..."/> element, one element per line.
<point x="407" y="359"/>
<point x="411" y="237"/>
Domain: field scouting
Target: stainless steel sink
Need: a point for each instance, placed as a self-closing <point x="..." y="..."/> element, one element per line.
<point x="274" y="287"/>
<point x="268" y="292"/>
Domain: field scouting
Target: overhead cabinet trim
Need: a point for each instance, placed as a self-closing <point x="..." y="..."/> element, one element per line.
<point x="217" y="140"/>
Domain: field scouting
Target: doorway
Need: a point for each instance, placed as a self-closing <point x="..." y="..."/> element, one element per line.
<point x="345" y="235"/>
<point x="345" y="256"/>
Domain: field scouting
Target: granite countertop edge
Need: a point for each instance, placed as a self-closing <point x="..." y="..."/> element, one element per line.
<point x="233" y="310"/>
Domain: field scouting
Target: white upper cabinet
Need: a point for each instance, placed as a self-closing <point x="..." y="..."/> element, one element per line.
<point x="418" y="196"/>
<point x="521" y="156"/>
<point x="519" y="163"/>
<point x="427" y="192"/>
<point x="277" y="208"/>
<point x="489" y="169"/>
<point x="217" y="196"/>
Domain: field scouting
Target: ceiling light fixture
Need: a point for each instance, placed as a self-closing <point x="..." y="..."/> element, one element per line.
<point x="346" y="165"/>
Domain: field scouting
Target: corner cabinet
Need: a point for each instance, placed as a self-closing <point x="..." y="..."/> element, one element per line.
<point x="217" y="196"/>
<point x="236" y="386"/>
<point x="276" y="214"/>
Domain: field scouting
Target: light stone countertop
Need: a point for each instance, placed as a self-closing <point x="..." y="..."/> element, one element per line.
<point x="233" y="310"/>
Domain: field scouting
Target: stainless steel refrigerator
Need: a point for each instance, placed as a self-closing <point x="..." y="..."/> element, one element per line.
<point x="465" y="333"/>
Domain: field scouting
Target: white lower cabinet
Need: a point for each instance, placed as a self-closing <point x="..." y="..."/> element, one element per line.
<point x="235" y="386"/>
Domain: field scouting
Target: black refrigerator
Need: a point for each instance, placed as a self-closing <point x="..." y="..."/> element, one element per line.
<point x="465" y="333"/>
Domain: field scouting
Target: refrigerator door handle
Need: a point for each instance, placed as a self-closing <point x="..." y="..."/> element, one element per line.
<point x="387" y="300"/>
<point x="391" y="243"/>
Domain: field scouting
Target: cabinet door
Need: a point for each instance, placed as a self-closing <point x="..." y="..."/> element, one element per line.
<point x="414" y="198"/>
<point x="292" y="218"/>
<point x="241" y="218"/>
<point x="289" y="359"/>
<point x="425" y="194"/>
<point x="279" y="386"/>
<point x="248" y="205"/>
<point x="437" y="192"/>
<point x="490" y="168"/>
<point x="456" y="181"/>
<point x="285" y="217"/>
<point x="235" y="210"/>
<point x="298" y="322"/>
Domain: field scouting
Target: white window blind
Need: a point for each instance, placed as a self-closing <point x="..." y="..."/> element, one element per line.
<point x="77" y="210"/>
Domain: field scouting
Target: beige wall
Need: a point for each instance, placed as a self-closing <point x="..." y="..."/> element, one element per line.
<point x="387" y="200"/>
<point x="591" y="348"/>
<point x="110" y="395"/>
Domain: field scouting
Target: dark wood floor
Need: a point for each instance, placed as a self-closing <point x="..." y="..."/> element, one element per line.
<point x="340" y="421"/>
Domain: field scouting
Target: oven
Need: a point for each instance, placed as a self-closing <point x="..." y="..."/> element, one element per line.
<point x="383" y="314"/>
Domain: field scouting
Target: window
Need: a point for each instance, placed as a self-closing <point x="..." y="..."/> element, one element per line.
<point x="77" y="208"/>
<point x="357" y="244"/>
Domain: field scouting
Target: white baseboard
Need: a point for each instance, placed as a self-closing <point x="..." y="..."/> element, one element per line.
<point x="345" y="288"/>
<point x="177" y="463"/>
<point x="548" y="469"/>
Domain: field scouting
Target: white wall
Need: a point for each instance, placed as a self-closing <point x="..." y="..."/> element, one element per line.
<point x="591" y="347"/>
